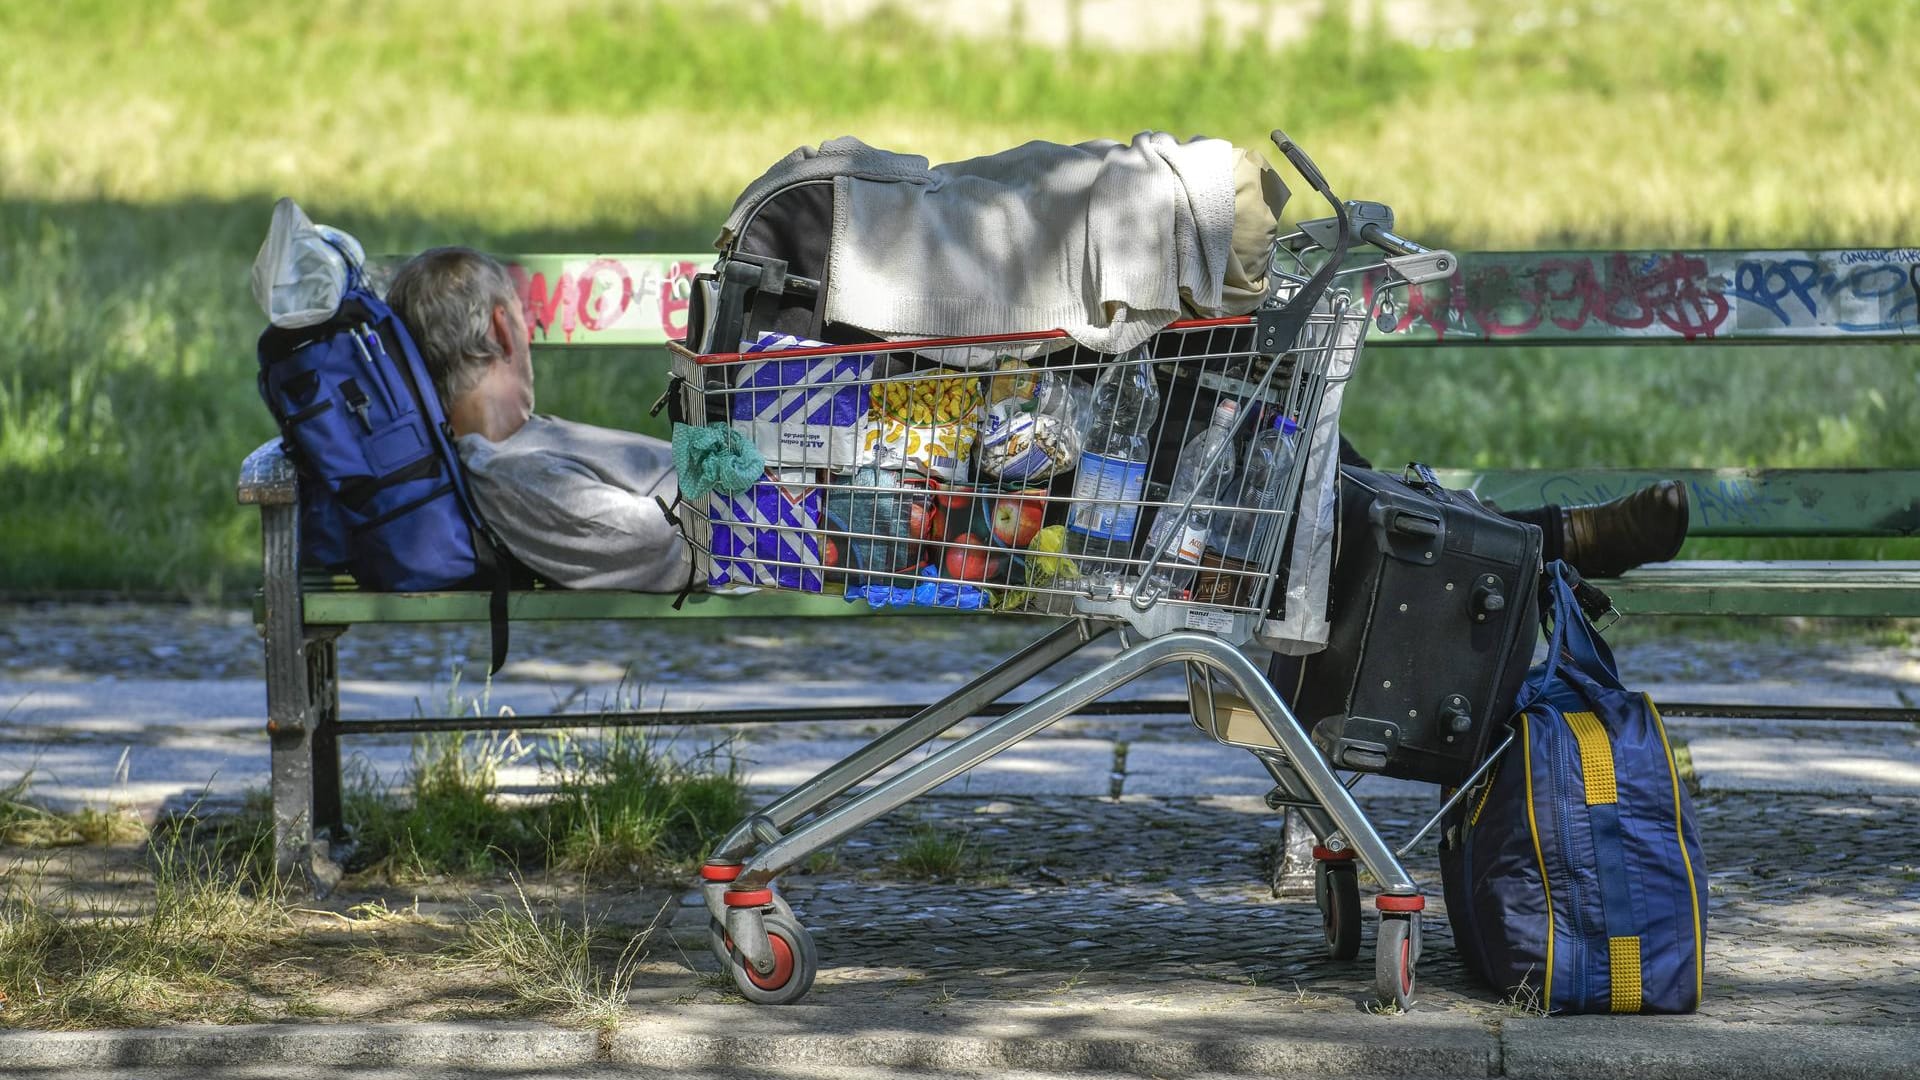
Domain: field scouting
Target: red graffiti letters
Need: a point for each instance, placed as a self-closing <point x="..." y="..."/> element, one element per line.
<point x="604" y="294"/>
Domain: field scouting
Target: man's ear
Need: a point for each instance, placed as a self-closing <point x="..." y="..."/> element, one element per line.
<point x="506" y="330"/>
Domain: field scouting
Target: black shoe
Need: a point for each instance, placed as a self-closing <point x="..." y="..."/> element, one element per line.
<point x="1609" y="539"/>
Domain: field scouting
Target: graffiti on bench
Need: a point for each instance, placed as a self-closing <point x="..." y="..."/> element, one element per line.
<point x="1715" y="503"/>
<point x="1686" y="296"/>
<point x="605" y="299"/>
<point x="1494" y="298"/>
<point x="1728" y="502"/>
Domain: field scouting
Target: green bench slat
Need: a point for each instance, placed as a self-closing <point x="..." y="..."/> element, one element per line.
<point x="1494" y="298"/>
<point x="349" y="607"/>
<point x="1728" y="502"/>
<point x="1862" y="589"/>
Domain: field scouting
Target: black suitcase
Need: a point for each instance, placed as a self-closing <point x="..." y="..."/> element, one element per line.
<point x="1433" y="608"/>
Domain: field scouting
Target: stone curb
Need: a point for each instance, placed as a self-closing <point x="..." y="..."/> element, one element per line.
<point x="994" y="1041"/>
<point x="502" y="1045"/>
<point x="1138" y="1041"/>
<point x="1662" y="1047"/>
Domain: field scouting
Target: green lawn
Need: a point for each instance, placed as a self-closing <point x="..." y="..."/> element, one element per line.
<point x="142" y="145"/>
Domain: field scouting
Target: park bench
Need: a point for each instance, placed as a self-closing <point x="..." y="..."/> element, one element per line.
<point x="1700" y="299"/>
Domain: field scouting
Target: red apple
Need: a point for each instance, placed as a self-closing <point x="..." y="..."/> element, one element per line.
<point x="1016" y="520"/>
<point x="969" y="559"/>
<point x="829" y="552"/>
<point x="957" y="497"/>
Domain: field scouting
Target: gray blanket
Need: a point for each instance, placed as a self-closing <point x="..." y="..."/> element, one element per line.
<point x="1101" y="239"/>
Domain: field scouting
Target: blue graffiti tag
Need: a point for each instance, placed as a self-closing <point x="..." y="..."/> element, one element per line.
<point x="1787" y="287"/>
<point x="1721" y="501"/>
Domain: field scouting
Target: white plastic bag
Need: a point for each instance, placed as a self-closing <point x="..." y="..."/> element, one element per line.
<point x="303" y="269"/>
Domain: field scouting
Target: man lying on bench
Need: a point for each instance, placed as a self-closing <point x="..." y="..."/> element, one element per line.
<point x="576" y="503"/>
<point x="573" y="502"/>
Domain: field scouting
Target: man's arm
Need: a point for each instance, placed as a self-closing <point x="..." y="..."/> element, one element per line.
<point x="575" y="529"/>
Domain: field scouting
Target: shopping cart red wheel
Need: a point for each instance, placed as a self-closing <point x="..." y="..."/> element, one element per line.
<point x="1396" y="956"/>
<point x="717" y="931"/>
<point x="1336" y="889"/>
<point x="795" y="963"/>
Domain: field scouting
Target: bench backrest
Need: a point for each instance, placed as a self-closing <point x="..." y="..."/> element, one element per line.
<point x="1494" y="298"/>
<point x="1847" y="296"/>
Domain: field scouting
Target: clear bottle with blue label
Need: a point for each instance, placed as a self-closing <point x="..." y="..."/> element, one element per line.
<point x="1112" y="474"/>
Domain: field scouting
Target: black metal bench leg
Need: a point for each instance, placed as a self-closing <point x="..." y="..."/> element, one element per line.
<point x="323" y="683"/>
<point x="301" y="857"/>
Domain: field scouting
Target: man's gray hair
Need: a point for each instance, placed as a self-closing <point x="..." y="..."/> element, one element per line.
<point x="446" y="298"/>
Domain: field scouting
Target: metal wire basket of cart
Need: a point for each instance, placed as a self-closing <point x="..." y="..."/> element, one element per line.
<point x="1159" y="490"/>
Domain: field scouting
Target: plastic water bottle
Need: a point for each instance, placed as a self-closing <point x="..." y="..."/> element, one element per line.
<point x="1241" y="534"/>
<point x="1112" y="473"/>
<point x="1205" y="472"/>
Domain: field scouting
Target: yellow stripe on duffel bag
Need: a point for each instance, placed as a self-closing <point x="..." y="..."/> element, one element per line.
<point x="1623" y="955"/>
<point x="1596" y="757"/>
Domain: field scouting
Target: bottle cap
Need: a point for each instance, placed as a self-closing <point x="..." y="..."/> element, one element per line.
<point x="1224" y="412"/>
<point x="1286" y="425"/>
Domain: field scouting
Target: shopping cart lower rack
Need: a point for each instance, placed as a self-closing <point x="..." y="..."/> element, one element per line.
<point x="1157" y="492"/>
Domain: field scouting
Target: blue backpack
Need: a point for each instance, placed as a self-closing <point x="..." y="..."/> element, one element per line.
<point x="382" y="492"/>
<point x="1576" y="872"/>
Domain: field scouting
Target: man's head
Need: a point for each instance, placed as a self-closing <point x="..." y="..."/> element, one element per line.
<point x="464" y="315"/>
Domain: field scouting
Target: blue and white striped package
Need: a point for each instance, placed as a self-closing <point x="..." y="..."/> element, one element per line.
<point x="803" y="412"/>
<point x="768" y="536"/>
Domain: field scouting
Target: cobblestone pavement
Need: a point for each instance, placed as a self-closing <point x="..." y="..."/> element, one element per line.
<point x="1087" y="901"/>
<point x="1166" y="902"/>
<point x="160" y="641"/>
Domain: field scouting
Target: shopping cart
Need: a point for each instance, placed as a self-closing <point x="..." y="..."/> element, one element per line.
<point x="986" y="474"/>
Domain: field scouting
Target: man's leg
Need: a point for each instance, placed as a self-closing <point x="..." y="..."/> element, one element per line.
<point x="1610" y="538"/>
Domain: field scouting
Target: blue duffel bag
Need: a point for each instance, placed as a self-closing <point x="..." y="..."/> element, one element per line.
<point x="1574" y="878"/>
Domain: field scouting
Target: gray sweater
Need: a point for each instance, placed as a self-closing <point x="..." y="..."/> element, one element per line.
<point x="576" y="504"/>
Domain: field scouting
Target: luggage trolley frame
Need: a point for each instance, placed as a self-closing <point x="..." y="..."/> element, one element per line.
<point x="1277" y="362"/>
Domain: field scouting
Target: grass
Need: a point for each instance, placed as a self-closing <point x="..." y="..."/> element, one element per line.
<point x="192" y="942"/>
<point x="551" y="964"/>
<point x="621" y="805"/>
<point x="932" y="852"/>
<point x="182" y="956"/>
<point x="25" y="823"/>
<point x="134" y="192"/>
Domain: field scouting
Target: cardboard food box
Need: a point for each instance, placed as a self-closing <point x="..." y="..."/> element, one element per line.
<point x="802" y="412"/>
<point x="768" y="536"/>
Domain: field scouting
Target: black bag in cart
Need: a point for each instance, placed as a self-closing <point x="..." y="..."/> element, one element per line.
<point x="1433" y="609"/>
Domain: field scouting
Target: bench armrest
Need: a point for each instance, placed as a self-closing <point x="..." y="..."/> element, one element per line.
<point x="266" y="478"/>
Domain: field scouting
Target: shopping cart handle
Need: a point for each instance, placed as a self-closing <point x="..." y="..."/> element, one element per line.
<point x="1301" y="162"/>
<point x="1383" y="238"/>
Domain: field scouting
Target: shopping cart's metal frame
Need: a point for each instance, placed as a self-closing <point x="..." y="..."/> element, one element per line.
<point x="770" y="954"/>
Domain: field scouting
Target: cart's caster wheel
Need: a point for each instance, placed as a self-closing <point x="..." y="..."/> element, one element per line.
<point x="717" y="932"/>
<point x="1336" y="889"/>
<point x="795" y="963"/>
<point x="1396" y="955"/>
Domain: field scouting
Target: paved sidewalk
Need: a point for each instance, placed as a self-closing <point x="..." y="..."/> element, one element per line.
<point x="805" y="1042"/>
<point x="1075" y="899"/>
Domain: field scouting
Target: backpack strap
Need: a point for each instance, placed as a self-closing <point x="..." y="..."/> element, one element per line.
<point x="686" y="534"/>
<point x="495" y="571"/>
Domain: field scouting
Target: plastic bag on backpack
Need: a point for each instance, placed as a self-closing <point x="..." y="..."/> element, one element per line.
<point x="303" y="269"/>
